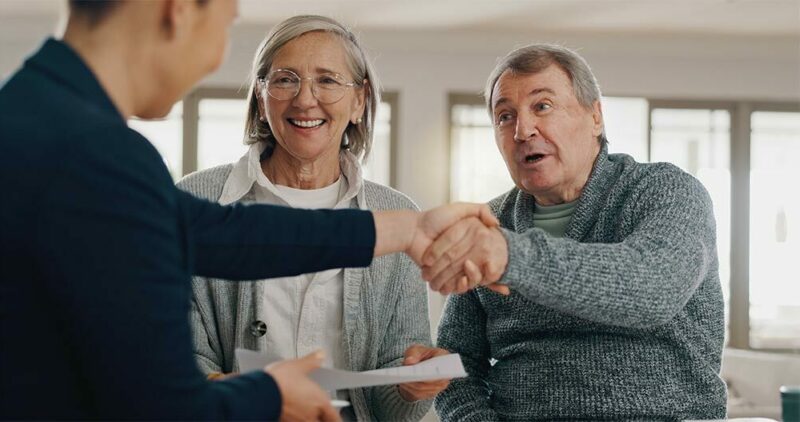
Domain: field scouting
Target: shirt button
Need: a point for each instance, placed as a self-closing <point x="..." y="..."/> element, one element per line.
<point x="258" y="328"/>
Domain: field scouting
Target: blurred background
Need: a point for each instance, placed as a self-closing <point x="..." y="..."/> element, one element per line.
<point x="712" y="86"/>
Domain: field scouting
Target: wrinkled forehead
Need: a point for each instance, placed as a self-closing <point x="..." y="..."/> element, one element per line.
<point x="313" y="53"/>
<point x="513" y="86"/>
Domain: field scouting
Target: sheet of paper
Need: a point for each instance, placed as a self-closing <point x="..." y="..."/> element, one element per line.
<point x="447" y="366"/>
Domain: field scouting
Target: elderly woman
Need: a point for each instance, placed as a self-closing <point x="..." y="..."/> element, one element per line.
<point x="616" y="310"/>
<point x="311" y="116"/>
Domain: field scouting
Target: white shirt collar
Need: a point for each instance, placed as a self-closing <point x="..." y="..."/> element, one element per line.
<point x="247" y="171"/>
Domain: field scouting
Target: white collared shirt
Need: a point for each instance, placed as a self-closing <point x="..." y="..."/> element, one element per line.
<point x="303" y="313"/>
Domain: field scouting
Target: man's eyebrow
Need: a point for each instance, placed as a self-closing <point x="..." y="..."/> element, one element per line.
<point x="541" y="90"/>
<point x="537" y="91"/>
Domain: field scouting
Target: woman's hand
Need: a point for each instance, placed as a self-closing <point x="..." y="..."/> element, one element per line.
<point x="423" y="390"/>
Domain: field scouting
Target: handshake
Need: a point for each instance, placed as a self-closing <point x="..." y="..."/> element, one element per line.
<point x="458" y="246"/>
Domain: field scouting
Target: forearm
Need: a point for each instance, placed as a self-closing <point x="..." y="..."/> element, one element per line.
<point x="636" y="283"/>
<point x="394" y="230"/>
<point x="263" y="241"/>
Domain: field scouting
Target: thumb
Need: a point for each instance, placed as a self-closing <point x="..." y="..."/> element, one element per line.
<point x="412" y="354"/>
<point x="310" y="362"/>
<point x="487" y="217"/>
<point x="499" y="288"/>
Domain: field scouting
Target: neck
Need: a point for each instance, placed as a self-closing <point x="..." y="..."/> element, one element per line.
<point x="115" y="59"/>
<point x="572" y="191"/>
<point x="561" y="197"/>
<point x="283" y="169"/>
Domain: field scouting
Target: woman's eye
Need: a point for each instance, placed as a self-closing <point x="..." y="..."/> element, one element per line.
<point x="543" y="107"/>
<point x="327" y="80"/>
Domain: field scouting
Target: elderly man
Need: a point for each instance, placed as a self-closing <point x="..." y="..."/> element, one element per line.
<point x="616" y="311"/>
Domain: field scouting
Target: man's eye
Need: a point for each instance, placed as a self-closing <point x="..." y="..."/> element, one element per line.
<point x="504" y="118"/>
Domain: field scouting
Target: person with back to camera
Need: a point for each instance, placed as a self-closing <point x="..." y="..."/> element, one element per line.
<point x="97" y="246"/>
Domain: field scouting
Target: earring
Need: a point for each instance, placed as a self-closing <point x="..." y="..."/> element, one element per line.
<point x="358" y="121"/>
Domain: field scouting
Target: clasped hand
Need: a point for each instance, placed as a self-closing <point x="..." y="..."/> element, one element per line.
<point x="460" y="247"/>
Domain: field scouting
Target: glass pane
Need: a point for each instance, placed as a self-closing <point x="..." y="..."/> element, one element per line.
<point x="698" y="141"/>
<point x="478" y="172"/>
<point x="626" y="126"/>
<point x="774" y="231"/>
<point x="220" y="131"/>
<point x="377" y="167"/>
<point x="167" y="136"/>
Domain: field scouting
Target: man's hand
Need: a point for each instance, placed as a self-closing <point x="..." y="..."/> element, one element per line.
<point x="412" y="232"/>
<point x="303" y="399"/>
<point x="434" y="222"/>
<point x="466" y="255"/>
<point x="423" y="390"/>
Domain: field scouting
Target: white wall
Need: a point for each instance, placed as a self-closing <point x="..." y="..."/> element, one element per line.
<point x="423" y="67"/>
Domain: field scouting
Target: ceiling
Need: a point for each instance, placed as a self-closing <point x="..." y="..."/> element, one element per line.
<point x="732" y="17"/>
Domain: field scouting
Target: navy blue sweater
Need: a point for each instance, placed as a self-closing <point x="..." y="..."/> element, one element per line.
<point x="97" y="248"/>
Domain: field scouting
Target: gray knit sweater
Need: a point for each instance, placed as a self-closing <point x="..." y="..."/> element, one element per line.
<point x="622" y="319"/>
<point x="385" y="310"/>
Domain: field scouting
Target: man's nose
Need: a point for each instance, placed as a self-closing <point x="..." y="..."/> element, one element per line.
<point x="526" y="128"/>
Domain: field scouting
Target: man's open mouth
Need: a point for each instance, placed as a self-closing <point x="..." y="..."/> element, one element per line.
<point x="532" y="158"/>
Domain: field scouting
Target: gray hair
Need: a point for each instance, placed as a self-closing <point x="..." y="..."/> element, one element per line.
<point x="357" y="137"/>
<point x="535" y="58"/>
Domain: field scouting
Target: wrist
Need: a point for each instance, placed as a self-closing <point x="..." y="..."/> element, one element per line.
<point x="405" y="395"/>
<point x="411" y="228"/>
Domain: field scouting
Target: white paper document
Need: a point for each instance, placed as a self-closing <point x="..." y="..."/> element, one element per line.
<point x="447" y="366"/>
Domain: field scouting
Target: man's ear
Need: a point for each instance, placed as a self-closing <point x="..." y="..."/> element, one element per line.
<point x="597" y="119"/>
<point x="175" y="17"/>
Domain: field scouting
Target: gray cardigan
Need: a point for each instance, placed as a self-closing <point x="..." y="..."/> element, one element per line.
<point x="621" y="319"/>
<point x="385" y="310"/>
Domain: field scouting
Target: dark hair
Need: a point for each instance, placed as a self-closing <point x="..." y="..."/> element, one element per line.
<point x="93" y="10"/>
<point x="96" y="10"/>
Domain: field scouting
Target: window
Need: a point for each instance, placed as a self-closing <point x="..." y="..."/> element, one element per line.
<point x="220" y="131"/>
<point x="626" y="126"/>
<point x="166" y="135"/>
<point x="763" y="296"/>
<point x="774" y="230"/>
<point x="477" y="171"/>
<point x="378" y="166"/>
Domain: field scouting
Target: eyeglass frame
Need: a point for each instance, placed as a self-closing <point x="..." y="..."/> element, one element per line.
<point x="314" y="88"/>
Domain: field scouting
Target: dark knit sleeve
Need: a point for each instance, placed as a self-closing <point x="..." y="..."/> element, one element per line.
<point x="645" y="279"/>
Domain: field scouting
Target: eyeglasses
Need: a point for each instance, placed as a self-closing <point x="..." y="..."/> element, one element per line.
<point x="282" y="84"/>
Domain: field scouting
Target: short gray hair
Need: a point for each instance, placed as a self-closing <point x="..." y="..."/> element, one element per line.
<point x="359" y="135"/>
<point x="535" y="58"/>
